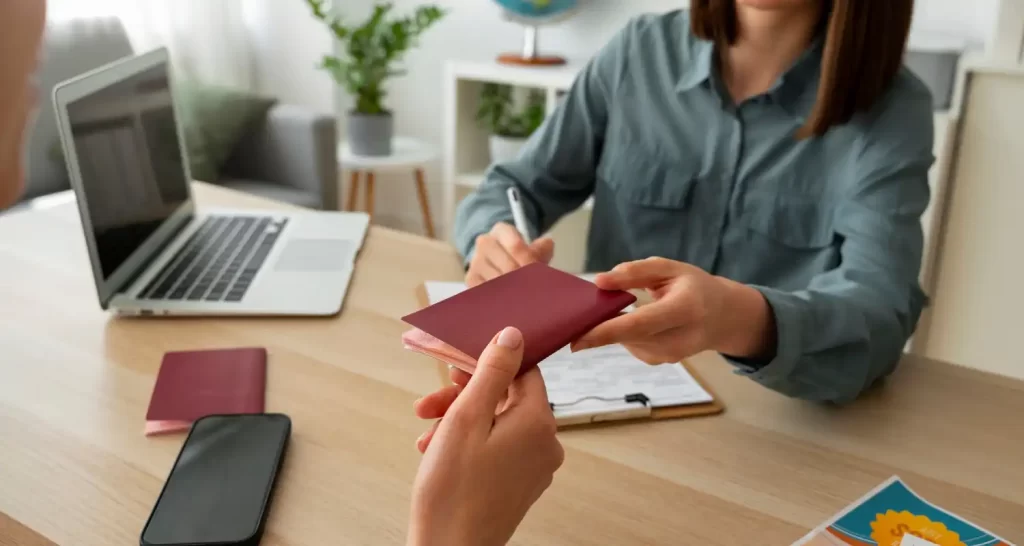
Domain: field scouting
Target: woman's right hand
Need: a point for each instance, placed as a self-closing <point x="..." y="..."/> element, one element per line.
<point x="504" y="250"/>
<point x="489" y="457"/>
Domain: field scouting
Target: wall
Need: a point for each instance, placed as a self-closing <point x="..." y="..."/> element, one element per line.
<point x="1007" y="43"/>
<point x="974" y="319"/>
<point x="972" y="21"/>
<point x="288" y="44"/>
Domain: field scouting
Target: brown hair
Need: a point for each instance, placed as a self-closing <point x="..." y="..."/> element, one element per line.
<point x="864" y="45"/>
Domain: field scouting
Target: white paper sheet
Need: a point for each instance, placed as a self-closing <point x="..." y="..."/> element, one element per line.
<point x="610" y="374"/>
<point x="439" y="290"/>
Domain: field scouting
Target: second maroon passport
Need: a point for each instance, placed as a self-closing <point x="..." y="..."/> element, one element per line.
<point x="550" y="307"/>
<point x="194" y="384"/>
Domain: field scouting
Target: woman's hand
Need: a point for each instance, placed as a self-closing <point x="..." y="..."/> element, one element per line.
<point x="483" y="468"/>
<point x="693" y="311"/>
<point x="504" y="250"/>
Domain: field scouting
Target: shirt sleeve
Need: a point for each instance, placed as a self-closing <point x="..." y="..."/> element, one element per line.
<point x="848" y="328"/>
<point x="555" y="172"/>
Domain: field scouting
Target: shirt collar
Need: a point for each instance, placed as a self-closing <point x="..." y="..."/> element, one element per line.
<point x="796" y="90"/>
<point x="698" y="67"/>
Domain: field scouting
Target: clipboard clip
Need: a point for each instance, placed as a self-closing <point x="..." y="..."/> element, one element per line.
<point x="630" y="406"/>
<point x="638" y="397"/>
<point x="635" y="398"/>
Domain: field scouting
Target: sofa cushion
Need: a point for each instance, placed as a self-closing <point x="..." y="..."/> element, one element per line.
<point x="276" y="192"/>
<point x="214" y="120"/>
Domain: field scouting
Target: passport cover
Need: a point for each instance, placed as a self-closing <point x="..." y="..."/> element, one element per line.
<point x="550" y="307"/>
<point x="194" y="384"/>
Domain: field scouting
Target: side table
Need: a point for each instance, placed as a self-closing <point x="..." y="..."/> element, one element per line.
<point x="407" y="153"/>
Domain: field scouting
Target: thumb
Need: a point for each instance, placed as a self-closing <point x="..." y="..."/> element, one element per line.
<point x="649" y="273"/>
<point x="543" y="249"/>
<point x="495" y="371"/>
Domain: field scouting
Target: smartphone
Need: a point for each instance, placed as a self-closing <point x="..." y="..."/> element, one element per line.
<point x="219" y="490"/>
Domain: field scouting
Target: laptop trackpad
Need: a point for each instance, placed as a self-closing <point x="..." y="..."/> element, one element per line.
<point x="315" y="255"/>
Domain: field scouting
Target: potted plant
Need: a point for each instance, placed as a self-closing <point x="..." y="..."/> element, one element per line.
<point x="509" y="122"/>
<point x="366" y="61"/>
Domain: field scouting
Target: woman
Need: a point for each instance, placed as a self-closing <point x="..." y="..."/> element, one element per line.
<point x="772" y="155"/>
<point x="516" y="449"/>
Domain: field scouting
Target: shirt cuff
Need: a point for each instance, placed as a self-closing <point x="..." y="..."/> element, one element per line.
<point x="788" y="312"/>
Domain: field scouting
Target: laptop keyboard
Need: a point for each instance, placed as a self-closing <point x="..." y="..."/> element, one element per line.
<point x="219" y="261"/>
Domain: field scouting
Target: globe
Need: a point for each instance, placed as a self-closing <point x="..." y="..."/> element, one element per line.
<point x="531" y="14"/>
<point x="536" y="12"/>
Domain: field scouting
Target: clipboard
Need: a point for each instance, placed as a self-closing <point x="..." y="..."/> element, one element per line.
<point x="713" y="407"/>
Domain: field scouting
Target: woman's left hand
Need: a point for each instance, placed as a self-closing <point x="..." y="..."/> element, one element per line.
<point x="693" y="311"/>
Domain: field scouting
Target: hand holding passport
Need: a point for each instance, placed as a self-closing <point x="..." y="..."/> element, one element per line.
<point x="550" y="307"/>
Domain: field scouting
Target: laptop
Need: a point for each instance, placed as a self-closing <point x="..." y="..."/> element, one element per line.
<point x="152" y="251"/>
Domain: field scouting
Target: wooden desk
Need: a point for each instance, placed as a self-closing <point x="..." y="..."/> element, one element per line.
<point x="75" y="468"/>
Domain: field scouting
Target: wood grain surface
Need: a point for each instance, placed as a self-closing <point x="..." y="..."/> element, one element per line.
<point x="75" y="468"/>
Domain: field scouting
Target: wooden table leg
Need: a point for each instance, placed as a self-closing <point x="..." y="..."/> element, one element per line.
<point x="421" y="188"/>
<point x="353" y="192"/>
<point x="369" y="193"/>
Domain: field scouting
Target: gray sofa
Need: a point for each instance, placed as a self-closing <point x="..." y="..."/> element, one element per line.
<point x="290" y="157"/>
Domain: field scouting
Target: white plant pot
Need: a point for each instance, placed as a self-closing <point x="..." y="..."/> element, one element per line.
<point x="505" y="148"/>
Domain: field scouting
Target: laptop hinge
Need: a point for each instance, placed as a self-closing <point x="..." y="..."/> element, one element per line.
<point x="158" y="251"/>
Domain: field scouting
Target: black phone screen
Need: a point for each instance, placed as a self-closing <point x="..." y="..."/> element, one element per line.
<point x="220" y="485"/>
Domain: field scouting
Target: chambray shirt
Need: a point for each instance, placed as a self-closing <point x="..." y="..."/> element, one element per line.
<point x="827" y="228"/>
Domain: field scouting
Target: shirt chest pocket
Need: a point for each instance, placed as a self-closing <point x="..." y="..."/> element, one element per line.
<point x="788" y="240"/>
<point x="792" y="222"/>
<point x="641" y="178"/>
<point x="651" y="197"/>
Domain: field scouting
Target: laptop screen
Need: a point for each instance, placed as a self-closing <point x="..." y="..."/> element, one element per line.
<point x="130" y="160"/>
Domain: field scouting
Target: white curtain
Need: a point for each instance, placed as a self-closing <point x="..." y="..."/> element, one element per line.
<point x="209" y="40"/>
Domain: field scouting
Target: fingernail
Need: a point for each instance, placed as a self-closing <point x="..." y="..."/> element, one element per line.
<point x="422" y="437"/>
<point x="510" y="338"/>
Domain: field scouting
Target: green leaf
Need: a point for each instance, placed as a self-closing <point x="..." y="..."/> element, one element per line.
<point x="340" y="31"/>
<point x="321" y="12"/>
<point x="379" y="12"/>
<point x="334" y="66"/>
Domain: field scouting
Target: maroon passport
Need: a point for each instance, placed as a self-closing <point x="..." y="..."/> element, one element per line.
<point x="550" y="307"/>
<point x="194" y="384"/>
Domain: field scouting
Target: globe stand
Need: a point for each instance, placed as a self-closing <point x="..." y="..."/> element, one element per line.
<point x="529" y="55"/>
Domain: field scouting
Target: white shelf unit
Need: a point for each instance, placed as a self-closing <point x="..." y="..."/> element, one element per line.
<point x="465" y="154"/>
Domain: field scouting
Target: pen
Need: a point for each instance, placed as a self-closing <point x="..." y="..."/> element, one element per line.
<point x="518" y="214"/>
